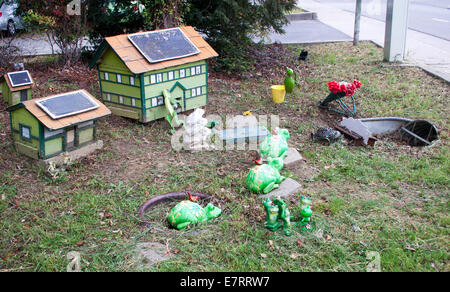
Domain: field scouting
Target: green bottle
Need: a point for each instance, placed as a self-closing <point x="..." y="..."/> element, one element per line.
<point x="289" y="81"/>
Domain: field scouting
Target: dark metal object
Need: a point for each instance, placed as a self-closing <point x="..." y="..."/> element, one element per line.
<point x="303" y="56"/>
<point x="337" y="97"/>
<point x="419" y="133"/>
<point x="165" y="198"/>
<point x="326" y="134"/>
<point x="357" y="139"/>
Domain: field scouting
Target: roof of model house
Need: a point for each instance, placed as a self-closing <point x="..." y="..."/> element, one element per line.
<point x="156" y="50"/>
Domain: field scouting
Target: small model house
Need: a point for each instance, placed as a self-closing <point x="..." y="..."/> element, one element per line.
<point x="47" y="127"/>
<point x="16" y="87"/>
<point x="135" y="69"/>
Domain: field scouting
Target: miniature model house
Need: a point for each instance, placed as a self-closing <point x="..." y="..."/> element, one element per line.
<point x="134" y="70"/>
<point x="47" y="127"/>
<point x="16" y="87"/>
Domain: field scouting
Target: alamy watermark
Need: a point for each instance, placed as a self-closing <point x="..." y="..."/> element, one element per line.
<point x="75" y="261"/>
<point x="375" y="261"/>
<point x="247" y="130"/>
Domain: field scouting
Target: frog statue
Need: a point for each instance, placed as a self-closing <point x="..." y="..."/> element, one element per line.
<point x="305" y="211"/>
<point x="188" y="212"/>
<point x="326" y="134"/>
<point x="266" y="177"/>
<point x="275" y="145"/>
<point x="277" y="210"/>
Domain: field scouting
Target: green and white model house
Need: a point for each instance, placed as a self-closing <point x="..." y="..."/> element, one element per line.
<point x="45" y="128"/>
<point x="134" y="70"/>
<point x="16" y="87"/>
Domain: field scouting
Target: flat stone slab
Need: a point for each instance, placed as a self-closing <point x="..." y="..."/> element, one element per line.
<point x="240" y="135"/>
<point x="287" y="187"/>
<point x="293" y="158"/>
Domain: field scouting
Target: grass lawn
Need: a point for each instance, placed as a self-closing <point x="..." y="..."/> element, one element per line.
<point x="397" y="195"/>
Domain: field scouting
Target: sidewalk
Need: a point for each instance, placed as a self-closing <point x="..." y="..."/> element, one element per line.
<point x="430" y="53"/>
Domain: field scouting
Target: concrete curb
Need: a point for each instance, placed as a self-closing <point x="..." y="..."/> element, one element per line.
<point x="302" y="16"/>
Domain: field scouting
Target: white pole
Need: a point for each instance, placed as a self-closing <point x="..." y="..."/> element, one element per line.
<point x="357" y="22"/>
<point x="396" y="30"/>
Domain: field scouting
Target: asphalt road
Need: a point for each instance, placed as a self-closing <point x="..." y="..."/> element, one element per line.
<point x="428" y="16"/>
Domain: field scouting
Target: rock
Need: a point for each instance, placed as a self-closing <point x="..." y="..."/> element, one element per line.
<point x="292" y="159"/>
<point x="287" y="187"/>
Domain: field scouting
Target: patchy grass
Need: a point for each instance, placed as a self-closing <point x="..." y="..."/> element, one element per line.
<point x="391" y="199"/>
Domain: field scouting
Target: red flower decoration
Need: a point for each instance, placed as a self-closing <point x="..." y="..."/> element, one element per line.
<point x="347" y="88"/>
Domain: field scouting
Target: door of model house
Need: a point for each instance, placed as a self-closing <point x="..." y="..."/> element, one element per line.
<point x="70" y="138"/>
<point x="178" y="93"/>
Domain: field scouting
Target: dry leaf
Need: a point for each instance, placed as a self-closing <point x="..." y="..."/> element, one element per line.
<point x="79" y="243"/>
<point x="270" y="242"/>
<point x="263" y="255"/>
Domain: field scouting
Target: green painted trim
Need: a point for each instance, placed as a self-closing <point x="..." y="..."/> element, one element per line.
<point x="64" y="140"/>
<point x="123" y="74"/>
<point x="121" y="83"/>
<point x="21" y="126"/>
<point x="175" y="79"/>
<point x="76" y="138"/>
<point x="196" y="96"/>
<point x="14" y="107"/>
<point x="115" y="93"/>
<point x="98" y="53"/>
<point x="100" y="81"/>
<point x="175" y="86"/>
<point x="207" y="82"/>
<point x="11" y="127"/>
<point x="122" y="104"/>
<point x="41" y="140"/>
<point x="95" y="131"/>
<point x="143" y="101"/>
<point x="53" y="137"/>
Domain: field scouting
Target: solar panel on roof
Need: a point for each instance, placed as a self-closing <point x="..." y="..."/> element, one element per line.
<point x="163" y="45"/>
<point x="20" y="78"/>
<point x="67" y="104"/>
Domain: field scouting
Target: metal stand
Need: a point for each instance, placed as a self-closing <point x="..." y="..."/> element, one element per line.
<point x="345" y="109"/>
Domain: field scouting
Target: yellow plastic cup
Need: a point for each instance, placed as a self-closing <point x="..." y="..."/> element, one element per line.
<point x="278" y="93"/>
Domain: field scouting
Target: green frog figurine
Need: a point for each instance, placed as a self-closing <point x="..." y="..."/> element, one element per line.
<point x="266" y="177"/>
<point x="188" y="212"/>
<point x="277" y="210"/>
<point x="289" y="82"/>
<point x="305" y="211"/>
<point x="275" y="145"/>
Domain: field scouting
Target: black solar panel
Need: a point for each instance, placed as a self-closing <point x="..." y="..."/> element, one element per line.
<point x="67" y="104"/>
<point x="168" y="44"/>
<point x="20" y="78"/>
